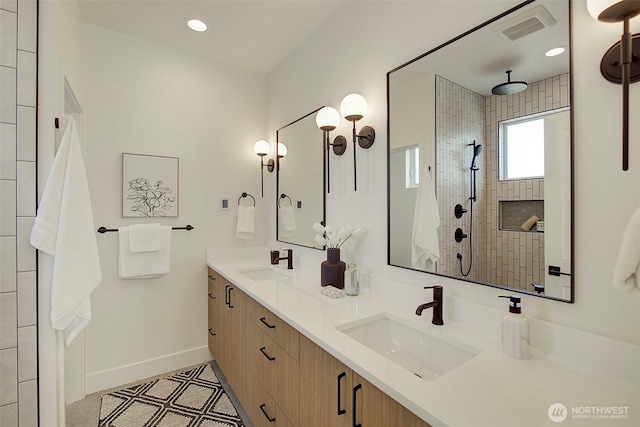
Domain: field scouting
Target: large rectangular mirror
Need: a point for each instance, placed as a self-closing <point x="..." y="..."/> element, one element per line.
<point x="480" y="155"/>
<point x="300" y="191"/>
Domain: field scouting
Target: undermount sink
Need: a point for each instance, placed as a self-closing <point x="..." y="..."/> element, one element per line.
<point x="263" y="273"/>
<point x="423" y="354"/>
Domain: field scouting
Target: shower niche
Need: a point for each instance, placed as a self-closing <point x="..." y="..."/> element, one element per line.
<point x="521" y="215"/>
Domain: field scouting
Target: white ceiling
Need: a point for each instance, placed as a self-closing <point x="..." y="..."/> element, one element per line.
<point x="253" y="35"/>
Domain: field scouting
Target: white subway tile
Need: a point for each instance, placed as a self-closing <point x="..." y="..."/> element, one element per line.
<point x="7" y="264"/>
<point x="26" y="133"/>
<point x="7" y="207"/>
<point x="8" y="320"/>
<point x="26" y="189"/>
<point x="27" y="298"/>
<point x="8" y="376"/>
<point x="8" y="88"/>
<point x="8" y="38"/>
<point x="8" y="151"/>
<point x="9" y="415"/>
<point x="27" y="25"/>
<point x="27" y="78"/>
<point x="26" y="254"/>
<point x="28" y="403"/>
<point x="27" y="353"/>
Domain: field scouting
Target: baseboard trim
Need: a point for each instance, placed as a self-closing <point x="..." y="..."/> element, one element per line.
<point x="110" y="378"/>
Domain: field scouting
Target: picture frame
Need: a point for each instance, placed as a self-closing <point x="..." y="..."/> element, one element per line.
<point x="150" y="186"/>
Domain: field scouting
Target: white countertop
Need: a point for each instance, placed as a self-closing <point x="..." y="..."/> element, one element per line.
<point x="490" y="389"/>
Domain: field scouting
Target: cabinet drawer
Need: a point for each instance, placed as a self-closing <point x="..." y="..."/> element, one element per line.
<point x="276" y="328"/>
<point x="263" y="410"/>
<point x="277" y="371"/>
<point x="213" y="275"/>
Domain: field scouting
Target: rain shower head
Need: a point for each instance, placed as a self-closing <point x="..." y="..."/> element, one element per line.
<point x="509" y="87"/>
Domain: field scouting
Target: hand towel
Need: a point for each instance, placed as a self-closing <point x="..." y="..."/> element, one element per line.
<point x="287" y="220"/>
<point x="426" y="220"/>
<point x="626" y="273"/>
<point x="245" y="227"/>
<point x="144" y="238"/>
<point x="143" y="265"/>
<point x="64" y="229"/>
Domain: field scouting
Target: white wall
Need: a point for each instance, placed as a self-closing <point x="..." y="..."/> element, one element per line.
<point x="361" y="41"/>
<point x="60" y="57"/>
<point x="146" y="98"/>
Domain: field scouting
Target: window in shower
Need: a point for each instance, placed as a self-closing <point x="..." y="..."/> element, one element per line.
<point x="412" y="176"/>
<point x="522" y="148"/>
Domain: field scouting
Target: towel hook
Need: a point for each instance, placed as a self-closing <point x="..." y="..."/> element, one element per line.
<point x="245" y="195"/>
<point x="284" y="196"/>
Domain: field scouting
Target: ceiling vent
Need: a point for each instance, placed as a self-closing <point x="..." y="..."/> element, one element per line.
<point x="526" y="23"/>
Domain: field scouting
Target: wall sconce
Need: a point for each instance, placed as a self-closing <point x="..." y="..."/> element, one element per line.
<point x="616" y="62"/>
<point x="262" y="148"/>
<point x="281" y="151"/>
<point x="353" y="108"/>
<point x="327" y="120"/>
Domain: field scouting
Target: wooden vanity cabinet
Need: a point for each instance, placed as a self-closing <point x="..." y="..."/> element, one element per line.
<point x="331" y="394"/>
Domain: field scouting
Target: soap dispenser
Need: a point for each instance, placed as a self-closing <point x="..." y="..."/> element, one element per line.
<point x="515" y="330"/>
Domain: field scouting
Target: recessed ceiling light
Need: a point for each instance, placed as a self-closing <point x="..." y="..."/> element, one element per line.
<point x="197" y="25"/>
<point x="555" y="51"/>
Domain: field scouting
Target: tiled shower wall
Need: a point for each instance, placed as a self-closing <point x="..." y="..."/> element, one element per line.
<point x="18" y="281"/>
<point x="516" y="258"/>
<point x="459" y="121"/>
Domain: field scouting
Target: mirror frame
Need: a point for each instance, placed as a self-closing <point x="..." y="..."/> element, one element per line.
<point x="324" y="189"/>
<point x="571" y="300"/>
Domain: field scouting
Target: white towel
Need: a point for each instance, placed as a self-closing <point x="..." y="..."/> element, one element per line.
<point x="64" y="229"/>
<point x="626" y="273"/>
<point x="245" y="227"/>
<point x="287" y="220"/>
<point x="143" y="265"/>
<point x="144" y="238"/>
<point x="426" y="220"/>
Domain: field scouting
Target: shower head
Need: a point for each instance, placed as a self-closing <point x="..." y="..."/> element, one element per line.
<point x="477" y="149"/>
<point x="509" y="87"/>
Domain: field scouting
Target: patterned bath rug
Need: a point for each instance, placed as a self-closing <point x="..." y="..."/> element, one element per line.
<point x="193" y="398"/>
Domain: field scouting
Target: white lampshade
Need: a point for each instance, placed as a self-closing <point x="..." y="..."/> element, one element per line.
<point x="261" y="148"/>
<point x="353" y="107"/>
<point x="282" y="149"/>
<point x="625" y="9"/>
<point x="328" y="118"/>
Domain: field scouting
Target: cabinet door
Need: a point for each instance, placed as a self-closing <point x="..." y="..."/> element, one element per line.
<point x="212" y="310"/>
<point x="325" y="388"/>
<point x="372" y="407"/>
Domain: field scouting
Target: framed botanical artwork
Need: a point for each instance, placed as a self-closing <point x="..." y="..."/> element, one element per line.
<point x="149" y="186"/>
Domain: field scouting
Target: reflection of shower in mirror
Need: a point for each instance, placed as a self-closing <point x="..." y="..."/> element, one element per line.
<point x="473" y="169"/>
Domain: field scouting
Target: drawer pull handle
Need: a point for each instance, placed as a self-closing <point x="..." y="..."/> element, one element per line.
<point x="355" y="405"/>
<point x="262" y="350"/>
<point x="340" y="411"/>
<point x="212" y="296"/>
<point x="212" y="277"/>
<point x="211" y="332"/>
<point x="265" y="413"/>
<point x="264" y="321"/>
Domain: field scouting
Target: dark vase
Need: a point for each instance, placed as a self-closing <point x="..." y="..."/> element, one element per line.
<point x="332" y="270"/>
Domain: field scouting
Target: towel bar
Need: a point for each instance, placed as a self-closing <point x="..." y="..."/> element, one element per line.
<point x="108" y="230"/>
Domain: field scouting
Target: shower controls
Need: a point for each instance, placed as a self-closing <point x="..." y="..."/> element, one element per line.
<point x="459" y="210"/>
<point x="459" y="235"/>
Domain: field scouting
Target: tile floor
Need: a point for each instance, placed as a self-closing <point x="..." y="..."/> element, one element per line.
<point x="85" y="413"/>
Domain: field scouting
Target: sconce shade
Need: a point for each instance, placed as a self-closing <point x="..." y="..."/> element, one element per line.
<point x="613" y="10"/>
<point x="261" y="148"/>
<point x="328" y="118"/>
<point x="282" y="149"/>
<point x="353" y="107"/>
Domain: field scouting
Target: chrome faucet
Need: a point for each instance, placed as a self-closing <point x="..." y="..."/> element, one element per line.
<point x="436" y="304"/>
<point x="276" y="258"/>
